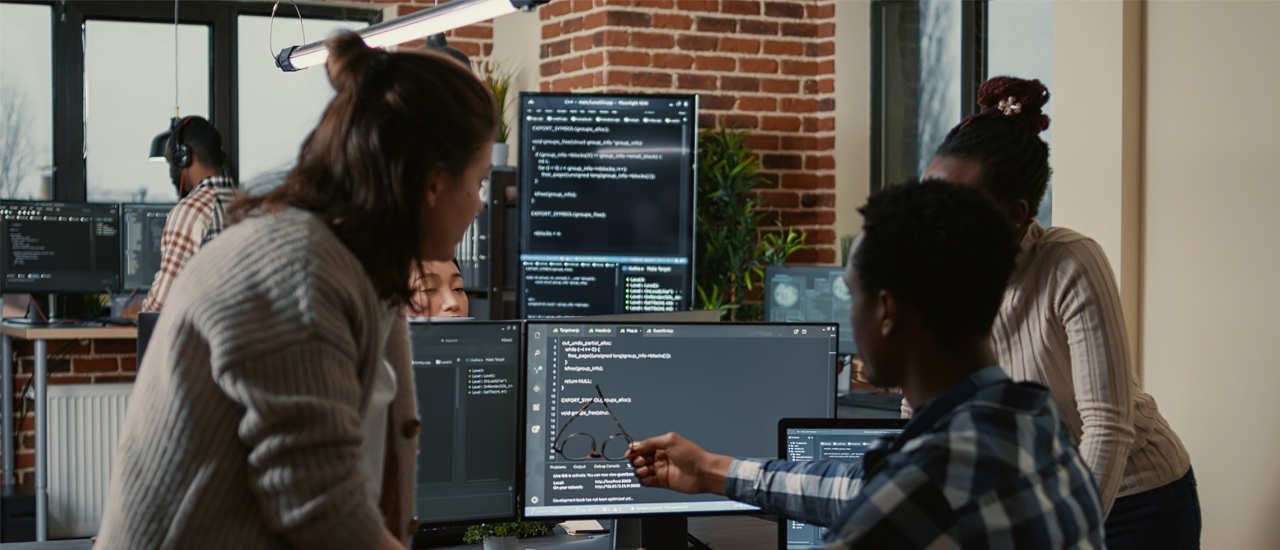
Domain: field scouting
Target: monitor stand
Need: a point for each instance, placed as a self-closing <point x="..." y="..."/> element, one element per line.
<point x="34" y="317"/>
<point x="650" y="533"/>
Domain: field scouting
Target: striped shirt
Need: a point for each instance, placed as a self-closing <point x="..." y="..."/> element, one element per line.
<point x="1061" y="325"/>
<point x="989" y="467"/>
<point x="194" y="221"/>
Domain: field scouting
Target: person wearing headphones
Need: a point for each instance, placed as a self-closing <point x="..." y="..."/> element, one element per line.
<point x="196" y="165"/>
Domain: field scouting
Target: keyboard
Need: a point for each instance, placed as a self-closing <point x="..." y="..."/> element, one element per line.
<point x="117" y="321"/>
<point x="871" y="399"/>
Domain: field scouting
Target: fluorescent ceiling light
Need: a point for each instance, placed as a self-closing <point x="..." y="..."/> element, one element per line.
<point x="458" y="13"/>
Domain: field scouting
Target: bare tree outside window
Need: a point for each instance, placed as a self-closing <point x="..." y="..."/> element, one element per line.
<point x="17" y="154"/>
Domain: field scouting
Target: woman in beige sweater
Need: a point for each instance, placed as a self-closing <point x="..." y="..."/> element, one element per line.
<point x="1060" y="324"/>
<point x="275" y="408"/>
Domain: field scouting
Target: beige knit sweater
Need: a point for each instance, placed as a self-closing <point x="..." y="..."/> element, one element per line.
<point x="244" y="428"/>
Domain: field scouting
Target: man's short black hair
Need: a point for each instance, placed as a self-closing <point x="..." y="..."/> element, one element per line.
<point x="945" y="249"/>
<point x="204" y="140"/>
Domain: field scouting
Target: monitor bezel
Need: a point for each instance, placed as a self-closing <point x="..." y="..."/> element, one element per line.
<point x="523" y="160"/>
<point x="826" y="424"/>
<point x="772" y="270"/>
<point x="6" y="288"/>
<point x="123" y="263"/>
<point x="833" y="368"/>
<point x="516" y="495"/>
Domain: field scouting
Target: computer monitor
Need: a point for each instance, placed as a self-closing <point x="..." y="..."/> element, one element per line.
<point x="467" y="379"/>
<point x="809" y="294"/>
<point x="606" y="187"/>
<point x="141" y="226"/>
<point x="723" y="386"/>
<point x="844" y="439"/>
<point x="59" y="247"/>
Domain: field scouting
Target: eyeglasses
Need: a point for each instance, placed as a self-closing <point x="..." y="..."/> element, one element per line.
<point x="582" y="446"/>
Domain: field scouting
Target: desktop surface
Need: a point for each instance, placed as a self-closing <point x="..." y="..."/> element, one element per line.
<point x="723" y="386"/>
<point x="467" y="378"/>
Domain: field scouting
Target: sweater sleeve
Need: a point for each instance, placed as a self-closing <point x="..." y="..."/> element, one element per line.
<point x="1088" y="302"/>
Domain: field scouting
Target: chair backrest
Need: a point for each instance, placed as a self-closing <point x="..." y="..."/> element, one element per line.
<point x="146" y="324"/>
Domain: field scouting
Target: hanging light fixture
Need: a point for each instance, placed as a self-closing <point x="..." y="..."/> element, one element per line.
<point x="458" y="13"/>
<point x="160" y="143"/>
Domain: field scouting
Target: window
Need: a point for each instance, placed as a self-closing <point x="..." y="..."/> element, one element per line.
<point x="129" y="95"/>
<point x="26" y="101"/>
<point x="926" y="67"/>
<point x="278" y="109"/>
<point x="96" y="79"/>
<point x="1020" y="43"/>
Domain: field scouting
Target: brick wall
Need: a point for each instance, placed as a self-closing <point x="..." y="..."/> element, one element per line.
<point x="82" y="362"/>
<point x="759" y="65"/>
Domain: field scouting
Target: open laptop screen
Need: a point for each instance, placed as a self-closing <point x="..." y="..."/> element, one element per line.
<point x="820" y="439"/>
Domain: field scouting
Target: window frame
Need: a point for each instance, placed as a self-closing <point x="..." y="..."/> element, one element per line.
<point x="973" y="72"/>
<point x="70" y="182"/>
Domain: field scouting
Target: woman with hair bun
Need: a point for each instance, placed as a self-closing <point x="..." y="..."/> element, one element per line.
<point x="275" y="405"/>
<point x="1061" y="325"/>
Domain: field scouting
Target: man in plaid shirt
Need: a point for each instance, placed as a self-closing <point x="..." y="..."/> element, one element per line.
<point x="984" y="463"/>
<point x="203" y="191"/>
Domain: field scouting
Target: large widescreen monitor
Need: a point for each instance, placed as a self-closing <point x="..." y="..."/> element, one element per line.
<point x="809" y="294"/>
<point x="723" y="386"/>
<point x="141" y="226"/>
<point x="467" y="379"/>
<point x="606" y="189"/>
<point x="59" y="247"/>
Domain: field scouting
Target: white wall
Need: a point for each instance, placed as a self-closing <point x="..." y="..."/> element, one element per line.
<point x="1212" y="255"/>
<point x="853" y="114"/>
<point x="1096" y="152"/>
<point x="517" y="39"/>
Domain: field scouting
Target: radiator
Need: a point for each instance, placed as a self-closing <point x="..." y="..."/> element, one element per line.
<point x="84" y="427"/>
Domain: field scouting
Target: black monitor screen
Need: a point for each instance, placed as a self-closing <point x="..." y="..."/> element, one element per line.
<point x="60" y="246"/>
<point x="847" y="444"/>
<point x="809" y="294"/>
<point x="723" y="386"/>
<point x="466" y="376"/>
<point x="606" y="191"/>
<point x="141" y="226"/>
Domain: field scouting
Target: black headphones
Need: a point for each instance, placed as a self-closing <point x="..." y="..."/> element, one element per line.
<point x="180" y="155"/>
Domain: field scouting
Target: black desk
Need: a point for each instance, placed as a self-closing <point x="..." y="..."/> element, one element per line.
<point x="719" y="532"/>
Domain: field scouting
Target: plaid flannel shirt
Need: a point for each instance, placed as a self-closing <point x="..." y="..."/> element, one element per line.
<point x="194" y="221"/>
<point x="998" y="470"/>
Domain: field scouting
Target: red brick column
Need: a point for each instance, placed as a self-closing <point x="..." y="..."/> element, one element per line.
<point x="759" y="65"/>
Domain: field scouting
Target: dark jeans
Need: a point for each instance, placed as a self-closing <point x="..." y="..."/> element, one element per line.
<point x="1167" y="518"/>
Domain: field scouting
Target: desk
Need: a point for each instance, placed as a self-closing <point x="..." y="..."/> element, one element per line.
<point x="40" y="336"/>
<point x="719" y="532"/>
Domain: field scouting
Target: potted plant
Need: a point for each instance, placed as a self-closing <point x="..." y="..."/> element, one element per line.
<point x="502" y="536"/>
<point x="732" y="252"/>
<point x="498" y="79"/>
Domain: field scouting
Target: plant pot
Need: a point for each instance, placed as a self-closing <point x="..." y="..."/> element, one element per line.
<point x="500" y="543"/>
<point x="499" y="157"/>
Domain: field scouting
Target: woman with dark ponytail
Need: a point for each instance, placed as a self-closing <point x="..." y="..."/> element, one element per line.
<point x="1061" y="325"/>
<point x="275" y="405"/>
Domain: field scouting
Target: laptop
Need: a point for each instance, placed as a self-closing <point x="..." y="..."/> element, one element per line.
<point x="823" y="438"/>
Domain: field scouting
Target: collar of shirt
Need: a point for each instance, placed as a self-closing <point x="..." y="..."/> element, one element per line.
<point x="216" y="181"/>
<point x="1027" y="248"/>
<point x="933" y="411"/>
